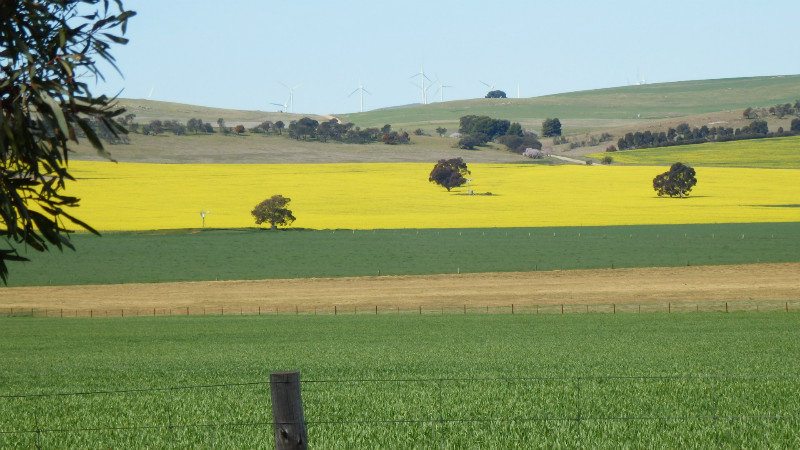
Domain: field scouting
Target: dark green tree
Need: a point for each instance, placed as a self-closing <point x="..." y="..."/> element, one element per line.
<point x="273" y="211"/>
<point x="678" y="181"/>
<point x="551" y="127"/>
<point x="515" y="129"/>
<point x="441" y="131"/>
<point x="43" y="45"/>
<point x="795" y="126"/>
<point x="449" y="173"/>
<point x="496" y="94"/>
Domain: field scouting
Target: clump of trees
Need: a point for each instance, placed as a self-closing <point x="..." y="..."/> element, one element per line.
<point x="479" y="130"/>
<point x="678" y="181"/>
<point x="551" y="127"/>
<point x="274" y="211"/>
<point x="449" y="173"/>
<point x="307" y="129"/>
<point x="496" y="94"/>
<point x="780" y="111"/>
<point x="441" y="131"/>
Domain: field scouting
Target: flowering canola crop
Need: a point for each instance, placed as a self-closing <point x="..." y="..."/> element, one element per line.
<point x="130" y="196"/>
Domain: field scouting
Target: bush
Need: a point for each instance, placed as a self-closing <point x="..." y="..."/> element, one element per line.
<point x="611" y="148"/>
<point x="607" y="160"/>
<point x="468" y="142"/>
<point x="419" y="132"/>
<point x="795" y="126"/>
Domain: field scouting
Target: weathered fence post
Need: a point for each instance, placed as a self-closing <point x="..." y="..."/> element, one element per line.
<point x="287" y="411"/>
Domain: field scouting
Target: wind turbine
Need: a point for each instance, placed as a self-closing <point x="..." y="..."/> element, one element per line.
<point x="291" y="95"/>
<point x="423" y="77"/>
<point x="282" y="105"/>
<point x="440" y="89"/>
<point x="491" y="88"/>
<point x="362" y="90"/>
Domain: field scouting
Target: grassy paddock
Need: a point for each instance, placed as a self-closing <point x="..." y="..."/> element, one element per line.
<point x="257" y="254"/>
<point x="467" y="379"/>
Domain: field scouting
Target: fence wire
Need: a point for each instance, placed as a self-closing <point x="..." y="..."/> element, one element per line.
<point x="441" y="417"/>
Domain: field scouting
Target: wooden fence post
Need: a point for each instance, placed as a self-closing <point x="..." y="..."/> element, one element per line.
<point x="287" y="411"/>
<point x="726" y="306"/>
<point x="512" y="308"/>
<point x="614" y="305"/>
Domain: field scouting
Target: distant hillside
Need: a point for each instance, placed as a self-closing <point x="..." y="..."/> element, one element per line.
<point x="147" y="110"/>
<point x="603" y="106"/>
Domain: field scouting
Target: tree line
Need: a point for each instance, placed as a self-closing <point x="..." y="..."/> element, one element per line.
<point x="307" y="129"/>
<point x="683" y="134"/>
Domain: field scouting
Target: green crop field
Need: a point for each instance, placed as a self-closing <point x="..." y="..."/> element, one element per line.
<point x="651" y="101"/>
<point x="257" y="254"/>
<point x="473" y="381"/>
<point x="775" y="153"/>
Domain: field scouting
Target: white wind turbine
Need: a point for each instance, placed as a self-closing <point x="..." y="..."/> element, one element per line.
<point x="291" y="95"/>
<point x="441" y="88"/>
<point x="423" y="77"/>
<point x="283" y="106"/>
<point x="361" y="89"/>
<point x="491" y="87"/>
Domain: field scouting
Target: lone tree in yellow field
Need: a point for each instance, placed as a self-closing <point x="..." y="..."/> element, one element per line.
<point x="449" y="173"/>
<point x="678" y="181"/>
<point x="274" y="211"/>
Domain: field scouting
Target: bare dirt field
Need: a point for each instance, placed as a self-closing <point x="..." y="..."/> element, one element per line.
<point x="750" y="283"/>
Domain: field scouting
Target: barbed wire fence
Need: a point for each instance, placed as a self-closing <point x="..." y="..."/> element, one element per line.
<point x="570" y="307"/>
<point x="358" y="402"/>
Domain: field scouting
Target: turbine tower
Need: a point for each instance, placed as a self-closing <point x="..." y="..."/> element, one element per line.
<point x="423" y="77"/>
<point x="291" y="95"/>
<point x="362" y="90"/>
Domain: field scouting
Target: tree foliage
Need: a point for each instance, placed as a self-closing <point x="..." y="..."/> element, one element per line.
<point x="449" y="173"/>
<point x="273" y="211"/>
<point x="45" y="48"/>
<point x="678" y="181"/>
<point x="496" y="94"/>
<point x="483" y="124"/>
<point x="551" y="127"/>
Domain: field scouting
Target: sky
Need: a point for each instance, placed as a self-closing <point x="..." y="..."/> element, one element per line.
<point x="238" y="53"/>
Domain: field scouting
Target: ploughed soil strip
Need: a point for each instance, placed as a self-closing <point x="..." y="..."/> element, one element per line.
<point x="752" y="282"/>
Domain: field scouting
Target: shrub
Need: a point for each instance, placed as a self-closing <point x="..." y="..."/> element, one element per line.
<point x="607" y="160"/>
<point x="611" y="148"/>
<point x="468" y="142"/>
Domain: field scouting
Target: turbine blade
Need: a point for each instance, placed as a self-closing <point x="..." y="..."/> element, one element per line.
<point x="368" y="92"/>
<point x="283" y="84"/>
<point x="353" y="93"/>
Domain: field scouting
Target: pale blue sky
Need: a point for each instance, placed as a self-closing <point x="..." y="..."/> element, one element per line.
<point x="234" y="54"/>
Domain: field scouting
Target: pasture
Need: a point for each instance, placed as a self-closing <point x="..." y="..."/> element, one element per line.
<point x="368" y="196"/>
<point x="500" y="381"/>
<point x="774" y="153"/>
<point x="219" y="254"/>
<point x="624" y="104"/>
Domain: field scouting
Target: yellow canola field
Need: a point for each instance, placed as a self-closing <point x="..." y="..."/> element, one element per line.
<point x="130" y="196"/>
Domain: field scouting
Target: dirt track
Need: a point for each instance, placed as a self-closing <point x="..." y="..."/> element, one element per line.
<point x="673" y="284"/>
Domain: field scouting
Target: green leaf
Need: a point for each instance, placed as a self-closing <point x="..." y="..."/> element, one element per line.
<point x="56" y="108"/>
